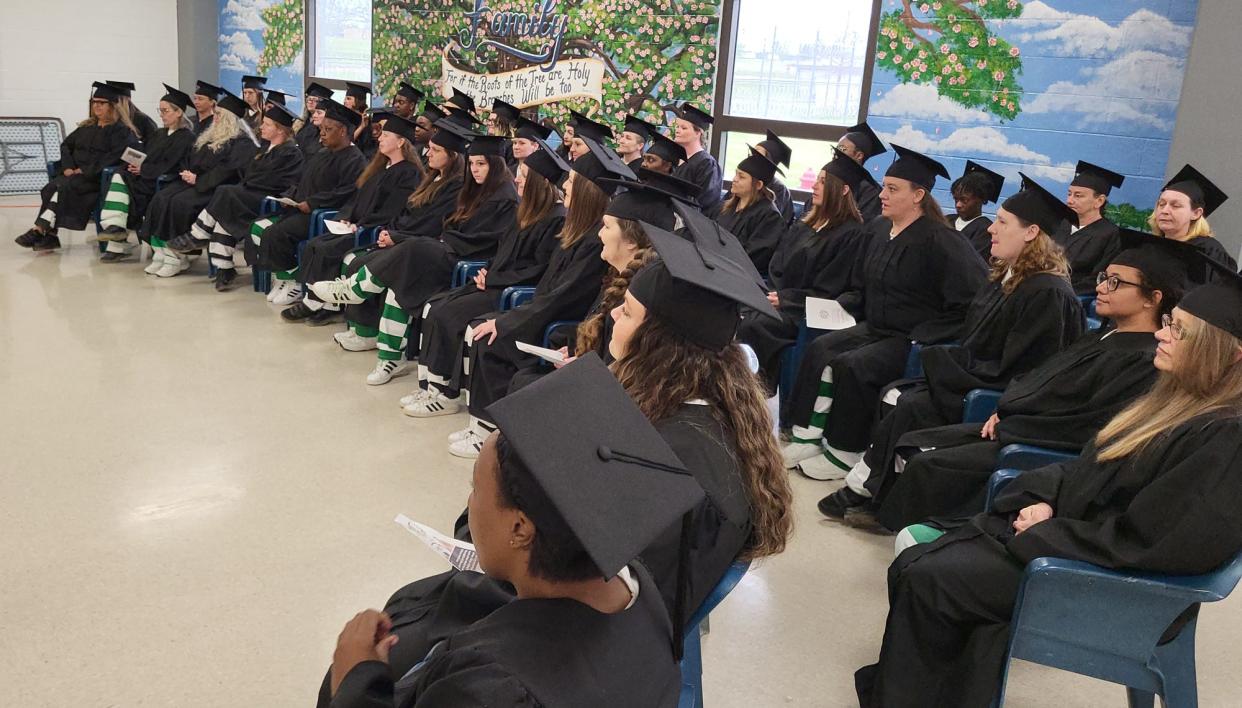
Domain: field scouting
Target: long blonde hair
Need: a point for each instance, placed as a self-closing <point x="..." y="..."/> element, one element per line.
<point x="1207" y="378"/>
<point x="1040" y="255"/>
<point x="224" y="128"/>
<point x="119" y="112"/>
<point x="1199" y="228"/>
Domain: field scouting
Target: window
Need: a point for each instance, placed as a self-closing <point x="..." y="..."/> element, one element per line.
<point x="342" y="40"/>
<point x="808" y="157"/>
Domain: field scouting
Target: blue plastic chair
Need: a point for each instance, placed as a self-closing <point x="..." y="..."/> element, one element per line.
<point x="366" y="237"/>
<point x="1094" y="323"/>
<point x="262" y="279"/>
<point x="516" y="295"/>
<point x="465" y="270"/>
<point x="1029" y="457"/>
<point x="1108" y="625"/>
<point x="1088" y="305"/>
<point x="979" y="405"/>
<point x="914" y="362"/>
<point x="551" y="328"/>
<point x="692" y="647"/>
<point x="791" y="359"/>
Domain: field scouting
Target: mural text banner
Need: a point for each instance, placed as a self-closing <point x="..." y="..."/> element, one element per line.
<point x="532" y="86"/>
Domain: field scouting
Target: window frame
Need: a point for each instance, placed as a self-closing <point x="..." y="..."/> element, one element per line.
<point x="311" y="43"/>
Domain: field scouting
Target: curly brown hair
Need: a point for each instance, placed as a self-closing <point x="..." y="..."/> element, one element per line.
<point x="661" y="370"/>
<point x="1041" y="255"/>
<point x="587" y="337"/>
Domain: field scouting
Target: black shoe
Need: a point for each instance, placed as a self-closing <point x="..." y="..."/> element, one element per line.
<point x="114" y="233"/>
<point x="46" y="242"/>
<point x="184" y="243"/>
<point x="324" y="316"/>
<point x="110" y="257"/>
<point x="836" y="504"/>
<point x="296" y="312"/>
<point x="864" y="518"/>
<point x="27" y="239"/>
<point x="225" y="278"/>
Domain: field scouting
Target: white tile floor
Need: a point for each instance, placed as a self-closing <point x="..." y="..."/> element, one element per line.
<point x="196" y="496"/>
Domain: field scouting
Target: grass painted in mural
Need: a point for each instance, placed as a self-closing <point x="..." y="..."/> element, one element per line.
<point x="948" y="44"/>
<point x="657" y="53"/>
<point x="283" y="34"/>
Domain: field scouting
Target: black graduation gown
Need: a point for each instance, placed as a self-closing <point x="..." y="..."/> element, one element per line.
<point x="520" y="260"/>
<point x="782" y="199"/>
<point x="146" y="127"/>
<point x="976" y="232"/>
<point x="1089" y="251"/>
<point x="308" y="139"/>
<point x="703" y="170"/>
<point x="89" y="148"/>
<point x="271" y="172"/>
<point x="1060" y="404"/>
<point x="378" y="202"/>
<point x="1171" y="509"/>
<point x="414" y="222"/>
<point x="328" y="181"/>
<point x="167" y="154"/>
<point x="635" y="164"/>
<point x="201" y="125"/>
<point x="173" y="210"/>
<point x="1004" y="336"/>
<point x="806" y="264"/>
<point x="759" y="228"/>
<point x="534" y="653"/>
<point x="565" y="292"/>
<point x="367" y="143"/>
<point x="1213" y="249"/>
<point x="867" y="199"/>
<point x="417" y="268"/>
<point x="914" y="287"/>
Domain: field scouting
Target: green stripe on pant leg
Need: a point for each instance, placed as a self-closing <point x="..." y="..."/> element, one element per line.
<point x="819" y="418"/>
<point x="258" y="226"/>
<point x="394" y="326"/>
<point x="365" y="285"/>
<point x="363" y="330"/>
<point x="157" y="242"/>
<point x="285" y="275"/>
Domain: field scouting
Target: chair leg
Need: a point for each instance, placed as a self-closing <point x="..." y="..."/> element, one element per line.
<point x="1176" y="662"/>
<point x="1140" y="699"/>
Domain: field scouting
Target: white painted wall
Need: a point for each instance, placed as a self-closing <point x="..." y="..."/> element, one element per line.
<point x="42" y="73"/>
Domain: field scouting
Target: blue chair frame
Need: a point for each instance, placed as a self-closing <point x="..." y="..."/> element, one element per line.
<point x="979" y="405"/>
<point x="692" y="646"/>
<point x="1029" y="457"/>
<point x="464" y="271"/>
<point x="262" y="279"/>
<point x="515" y="296"/>
<point x="1108" y="625"/>
<point x="1088" y="306"/>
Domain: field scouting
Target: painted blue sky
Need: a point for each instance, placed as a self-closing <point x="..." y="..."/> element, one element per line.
<point x="241" y="43"/>
<point x="1101" y="81"/>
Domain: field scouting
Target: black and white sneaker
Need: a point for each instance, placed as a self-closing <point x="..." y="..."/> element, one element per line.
<point x="324" y="316"/>
<point x="297" y="312"/>
<point x="224" y="279"/>
<point x="432" y="406"/>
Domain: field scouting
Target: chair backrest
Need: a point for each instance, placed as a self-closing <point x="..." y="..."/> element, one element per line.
<point x="914" y="362"/>
<point x="514" y="296"/>
<point x="979" y="405"/>
<point x="731" y="578"/>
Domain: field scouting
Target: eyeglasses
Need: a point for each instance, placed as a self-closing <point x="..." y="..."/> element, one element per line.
<point x="1112" y="282"/>
<point x="1178" y="332"/>
<point x="166" y="111"/>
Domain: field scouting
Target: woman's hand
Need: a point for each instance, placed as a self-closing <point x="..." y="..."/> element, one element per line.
<point x="188" y="177"/>
<point x="989" y="428"/>
<point x="1030" y="516"/>
<point x="774" y="299"/>
<point x="564" y="352"/>
<point x="304" y="207"/>
<point x="480" y="279"/>
<point x="487" y="329"/>
<point x="365" y="638"/>
<point x="133" y="169"/>
<point x="384" y="240"/>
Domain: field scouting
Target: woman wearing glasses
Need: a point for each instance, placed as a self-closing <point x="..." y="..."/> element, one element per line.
<point x="1156" y="491"/>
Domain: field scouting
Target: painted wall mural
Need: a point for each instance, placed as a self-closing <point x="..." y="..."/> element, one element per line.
<point x="1035" y="87"/>
<point x="263" y="37"/>
<point x="605" y="57"/>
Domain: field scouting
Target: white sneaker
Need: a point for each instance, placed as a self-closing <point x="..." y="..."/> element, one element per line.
<point x="796" y="452"/>
<point x="469" y="448"/>
<point x="433" y="406"/>
<point x="386" y="371"/>
<point x="414" y="396"/>
<point x="278" y="287"/>
<point x="351" y="342"/>
<point x="157" y="260"/>
<point x="335" y="291"/>
<point x="291" y="294"/>
<point x="460" y="435"/>
<point x="174" y="264"/>
<point x="820" y="468"/>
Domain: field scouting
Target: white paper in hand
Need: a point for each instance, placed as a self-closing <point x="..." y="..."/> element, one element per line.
<point x="552" y="356"/>
<point x="133" y="157"/>
<point x="284" y="200"/>
<point x="822" y="313"/>
<point x="459" y="554"/>
<point x="339" y="228"/>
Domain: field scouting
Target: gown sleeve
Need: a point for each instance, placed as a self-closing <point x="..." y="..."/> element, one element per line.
<point x="67" y="146"/>
<point x="117" y="138"/>
<point x="367" y="685"/>
<point x="240" y="151"/>
<point x="960" y="274"/>
<point x="427" y="220"/>
<point x="570" y="299"/>
<point x="479" y="235"/>
<point x="283" y="169"/>
<point x="832" y="275"/>
<point x="346" y="170"/>
<point x="546" y="235"/>
<point x="173" y="152"/>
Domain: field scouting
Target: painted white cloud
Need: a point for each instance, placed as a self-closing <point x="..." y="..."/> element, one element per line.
<point x="1087" y="36"/>
<point x="245" y="14"/>
<point x="924" y="102"/>
<point x="1146" y="79"/>
<point x="978" y="141"/>
<point x="237" y="52"/>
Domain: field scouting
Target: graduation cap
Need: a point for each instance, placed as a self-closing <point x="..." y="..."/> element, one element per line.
<point x="1200" y="189"/>
<point x="1171" y="266"/>
<point x="397" y="125"/>
<point x="232" y="103"/>
<point x="339" y="113"/>
<point x="505" y="110"/>
<point x="125" y="88"/>
<point x="254" y="82"/>
<point x="358" y="91"/>
<point x="709" y="236"/>
<point x="1095" y="178"/>
<point x="530" y="130"/>
<point x="677" y="187"/>
<point x="202" y="88"/>
<point x="547" y="163"/>
<point x="666" y="149"/>
<point x="602" y="166"/>
<point x="865" y="139"/>
<point x="697" y="291"/>
<point x="408" y="91"/>
<point x="451" y="137"/>
<point x="642" y="201"/>
<point x="613" y="482"/>
<point x="915" y="167"/>
<point x="758" y="166"/>
<point x="104" y="92"/>
<point x="490" y="145"/>
<point x="995" y="180"/>
<point x="1036" y="205"/>
<point x="776" y="148"/>
<point x="846" y="169"/>
<point x="639" y="127"/>
<point x="586" y="128"/>
<point x="462" y="118"/>
<point x="318" y="90"/>
<point x="695" y="116"/>
<point x="462" y="100"/>
<point x="432" y="112"/>
<point x="275" y="97"/>
<point x="177" y="97"/>
<point x="1219" y="303"/>
<point x="280" y="114"/>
